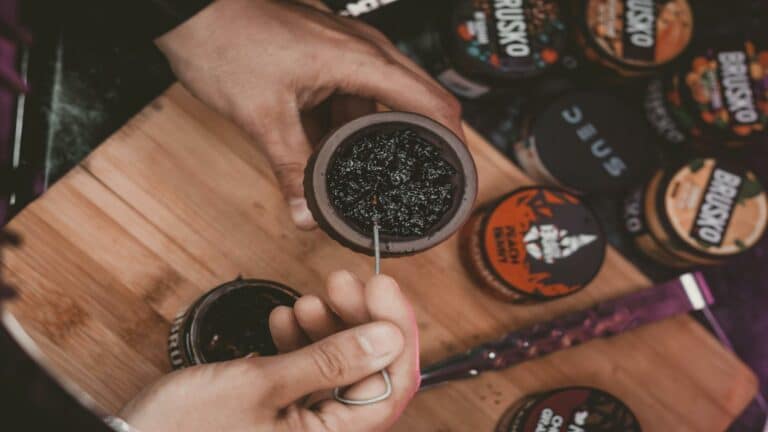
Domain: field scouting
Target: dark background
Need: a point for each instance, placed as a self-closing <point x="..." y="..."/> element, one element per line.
<point x="88" y="77"/>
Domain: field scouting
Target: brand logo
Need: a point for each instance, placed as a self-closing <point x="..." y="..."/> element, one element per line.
<point x="547" y="243"/>
<point x="550" y="421"/>
<point x="588" y="134"/>
<point x="580" y="418"/>
<point x="633" y="212"/>
<point x="174" y="342"/>
<point x="461" y="85"/>
<point x="737" y="88"/>
<point x="475" y="29"/>
<point x="511" y="28"/>
<point x="362" y="7"/>
<point x="716" y="207"/>
<point x="658" y="114"/>
<point x="639" y="29"/>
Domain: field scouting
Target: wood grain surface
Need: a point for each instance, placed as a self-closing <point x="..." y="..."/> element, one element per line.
<point x="179" y="201"/>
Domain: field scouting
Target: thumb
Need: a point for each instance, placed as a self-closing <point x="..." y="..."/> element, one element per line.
<point x="338" y="360"/>
<point x="287" y="148"/>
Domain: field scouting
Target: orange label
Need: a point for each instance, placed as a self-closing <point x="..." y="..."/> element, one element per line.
<point x="640" y="32"/>
<point x="717" y="209"/>
<point x="543" y="242"/>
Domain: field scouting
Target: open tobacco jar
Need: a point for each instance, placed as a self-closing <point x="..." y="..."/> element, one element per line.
<point x="408" y="174"/>
<point x="229" y="322"/>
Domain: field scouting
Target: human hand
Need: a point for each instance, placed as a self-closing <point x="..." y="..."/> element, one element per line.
<point x="373" y="328"/>
<point x="285" y="71"/>
<point x="352" y="303"/>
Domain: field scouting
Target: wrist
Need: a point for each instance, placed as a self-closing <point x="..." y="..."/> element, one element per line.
<point x="196" y="28"/>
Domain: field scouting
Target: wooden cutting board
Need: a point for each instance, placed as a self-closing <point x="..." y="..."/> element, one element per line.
<point x="179" y="201"/>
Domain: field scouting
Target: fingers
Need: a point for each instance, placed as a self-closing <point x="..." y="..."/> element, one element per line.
<point x="387" y="302"/>
<point x="346" y="296"/>
<point x="311" y="319"/>
<point x="401" y="89"/>
<point x="282" y="137"/>
<point x="400" y="82"/>
<point x="315" y="318"/>
<point x="338" y="360"/>
<point x="380" y="39"/>
<point x="371" y="71"/>
<point x="286" y="331"/>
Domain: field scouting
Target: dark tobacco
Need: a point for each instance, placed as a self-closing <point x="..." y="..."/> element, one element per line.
<point x="396" y="178"/>
<point x="237" y="324"/>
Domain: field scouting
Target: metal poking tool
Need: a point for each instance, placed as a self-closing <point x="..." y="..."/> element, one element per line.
<point x="384" y="373"/>
<point x="376" y="247"/>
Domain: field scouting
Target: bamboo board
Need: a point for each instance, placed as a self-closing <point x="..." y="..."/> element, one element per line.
<point x="179" y="201"/>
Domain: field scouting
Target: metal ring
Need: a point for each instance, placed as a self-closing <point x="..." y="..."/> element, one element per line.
<point x="387" y="393"/>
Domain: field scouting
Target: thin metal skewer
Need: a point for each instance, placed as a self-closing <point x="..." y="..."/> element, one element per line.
<point x="387" y="380"/>
<point x="376" y="246"/>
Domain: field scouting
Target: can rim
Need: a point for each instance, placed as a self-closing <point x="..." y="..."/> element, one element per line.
<point x="316" y="191"/>
<point x="525" y="294"/>
<point x="666" y="222"/>
<point x="540" y="397"/>
<point x="616" y="63"/>
<point x="487" y="74"/>
<point x="189" y="330"/>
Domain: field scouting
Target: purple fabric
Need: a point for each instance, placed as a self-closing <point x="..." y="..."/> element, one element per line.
<point x="8" y="60"/>
<point x="609" y="318"/>
<point x="741" y="290"/>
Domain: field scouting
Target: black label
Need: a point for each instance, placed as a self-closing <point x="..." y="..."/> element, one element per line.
<point x="639" y="38"/>
<point x="511" y="29"/>
<point x="659" y="115"/>
<point x="716" y="207"/>
<point x="736" y="86"/>
<point x="507" y="38"/>
<point x="588" y="134"/>
<point x="633" y="213"/>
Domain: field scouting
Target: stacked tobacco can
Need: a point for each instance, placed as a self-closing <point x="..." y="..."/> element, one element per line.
<point x="701" y="213"/>
<point x="718" y="100"/>
<point x="534" y="244"/>
<point x="569" y="409"/>
<point x="484" y="45"/>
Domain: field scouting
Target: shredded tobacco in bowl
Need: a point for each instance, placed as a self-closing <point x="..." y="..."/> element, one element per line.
<point x="397" y="178"/>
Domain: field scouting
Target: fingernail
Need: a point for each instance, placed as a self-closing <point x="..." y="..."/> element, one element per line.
<point x="345" y="277"/>
<point x="379" y="339"/>
<point x="386" y="281"/>
<point x="300" y="213"/>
